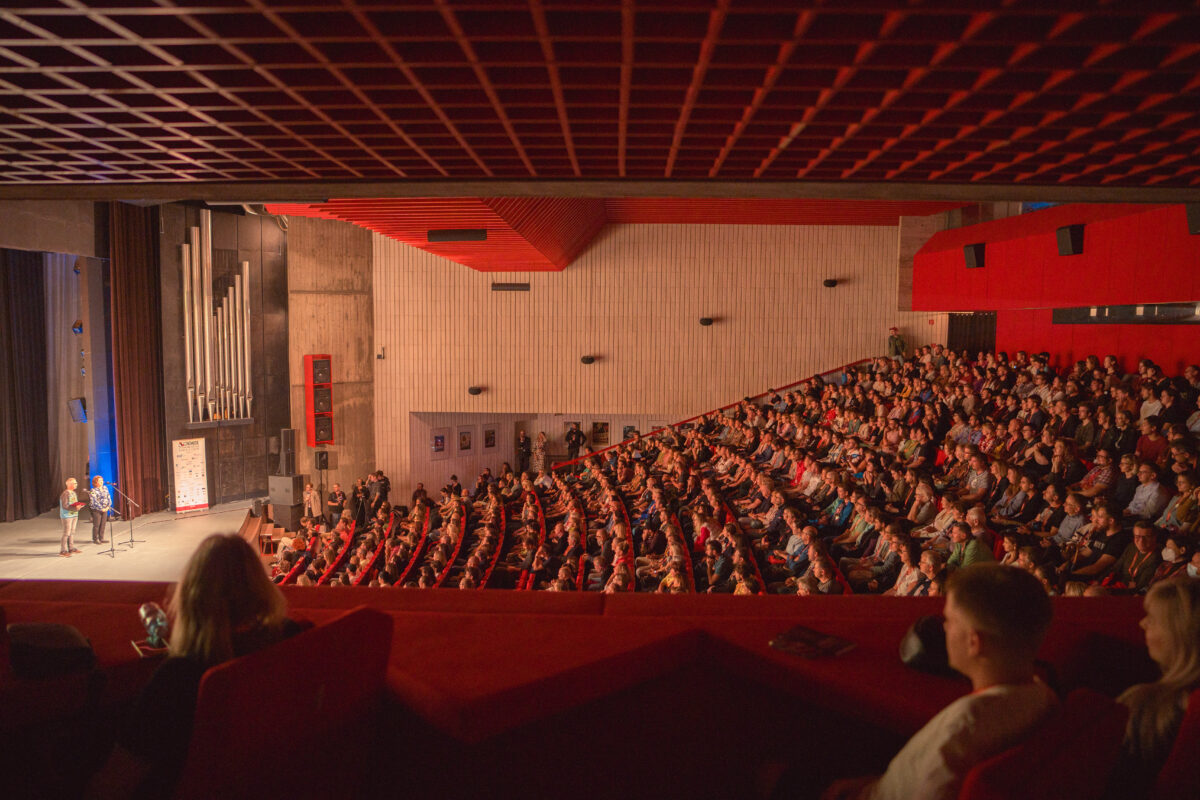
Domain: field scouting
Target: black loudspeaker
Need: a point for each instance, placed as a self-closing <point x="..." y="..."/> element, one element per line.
<point x="256" y="510"/>
<point x="973" y="253"/>
<point x="829" y="283"/>
<point x="322" y="399"/>
<point x="321" y="459"/>
<point x="1193" y="218"/>
<point x="286" y="490"/>
<point x="320" y="368"/>
<point x="77" y="407"/>
<point x="287" y="517"/>
<point x="287" y="451"/>
<point x="324" y="428"/>
<point x="1070" y="240"/>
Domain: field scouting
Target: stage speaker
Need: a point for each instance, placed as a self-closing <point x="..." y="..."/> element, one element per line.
<point x="320" y="370"/>
<point x="1193" y="218"/>
<point x="287" y="517"/>
<point x="287" y="451"/>
<point x="77" y="407"/>
<point x="318" y="400"/>
<point x="1070" y="240"/>
<point x="256" y="509"/>
<point x="321" y="458"/>
<point x="973" y="254"/>
<point x="323" y="429"/>
<point x="287" y="490"/>
<point x="322" y="399"/>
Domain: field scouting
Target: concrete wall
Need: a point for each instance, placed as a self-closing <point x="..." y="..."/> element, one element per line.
<point x="54" y="226"/>
<point x="330" y="310"/>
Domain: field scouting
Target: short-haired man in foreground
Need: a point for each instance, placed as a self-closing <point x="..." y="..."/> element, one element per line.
<point x="996" y="618"/>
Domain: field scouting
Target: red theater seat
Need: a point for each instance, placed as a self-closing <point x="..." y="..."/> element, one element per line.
<point x="1069" y="755"/>
<point x="1180" y="776"/>
<point x="316" y="691"/>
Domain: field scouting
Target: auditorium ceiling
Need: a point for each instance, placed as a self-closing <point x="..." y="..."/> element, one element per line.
<point x="262" y="100"/>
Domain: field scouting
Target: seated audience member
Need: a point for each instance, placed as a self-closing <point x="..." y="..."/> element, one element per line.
<point x="222" y="608"/>
<point x="1137" y="565"/>
<point x="996" y="618"/>
<point x="1172" y="626"/>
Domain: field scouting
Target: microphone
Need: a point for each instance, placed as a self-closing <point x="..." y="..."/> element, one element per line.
<point x="154" y="620"/>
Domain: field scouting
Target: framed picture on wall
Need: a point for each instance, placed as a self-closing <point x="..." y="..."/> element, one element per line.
<point x="489" y="437"/>
<point x="438" y="439"/>
<point x="655" y="424"/>
<point x="600" y="433"/>
<point x="628" y="432"/>
<point x="466" y="436"/>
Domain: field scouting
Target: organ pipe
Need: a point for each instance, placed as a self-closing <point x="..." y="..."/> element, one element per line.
<point x="186" y="257"/>
<point x="216" y="334"/>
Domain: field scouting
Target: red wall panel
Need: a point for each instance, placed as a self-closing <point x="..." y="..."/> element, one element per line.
<point x="1131" y="254"/>
<point x="1170" y="346"/>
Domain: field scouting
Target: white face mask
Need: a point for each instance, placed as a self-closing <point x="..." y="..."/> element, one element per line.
<point x="1169" y="554"/>
<point x="1192" y="571"/>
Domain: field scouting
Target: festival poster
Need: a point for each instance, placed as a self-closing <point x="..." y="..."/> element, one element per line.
<point x="191" y="475"/>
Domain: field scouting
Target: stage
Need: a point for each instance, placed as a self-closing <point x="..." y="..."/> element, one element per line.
<point x="29" y="548"/>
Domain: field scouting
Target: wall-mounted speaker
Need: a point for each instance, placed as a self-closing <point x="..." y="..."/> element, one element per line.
<point x="322" y="399"/>
<point x="321" y="459"/>
<point x="77" y="408"/>
<point x="320" y="370"/>
<point x="474" y="390"/>
<point x="706" y="321"/>
<point x="1070" y="240"/>
<point x="318" y="399"/>
<point x="829" y="283"/>
<point x="973" y="255"/>
<point x="323" y="429"/>
<point x="587" y="360"/>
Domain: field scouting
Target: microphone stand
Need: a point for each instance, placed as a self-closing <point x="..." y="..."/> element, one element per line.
<point x="135" y="505"/>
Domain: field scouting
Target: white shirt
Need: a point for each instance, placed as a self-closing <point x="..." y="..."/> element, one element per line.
<point x="936" y="760"/>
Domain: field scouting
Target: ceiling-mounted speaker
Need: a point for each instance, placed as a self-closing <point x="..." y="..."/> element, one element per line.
<point x="587" y="360"/>
<point x="829" y="283"/>
<point x="973" y="255"/>
<point x="1070" y="240"/>
<point x="457" y="235"/>
<point x="474" y="390"/>
<point x="1193" y="218"/>
<point x="706" y="321"/>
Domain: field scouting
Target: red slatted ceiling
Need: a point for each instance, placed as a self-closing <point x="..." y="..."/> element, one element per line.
<point x="547" y="233"/>
<point x="986" y="92"/>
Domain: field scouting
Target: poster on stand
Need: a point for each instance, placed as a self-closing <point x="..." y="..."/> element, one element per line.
<point x="191" y="475"/>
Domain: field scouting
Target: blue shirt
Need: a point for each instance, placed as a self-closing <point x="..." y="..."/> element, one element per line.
<point x="99" y="499"/>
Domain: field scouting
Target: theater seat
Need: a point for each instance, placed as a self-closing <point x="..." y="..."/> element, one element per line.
<point x="1180" y="776"/>
<point x="318" y="692"/>
<point x="1067" y="756"/>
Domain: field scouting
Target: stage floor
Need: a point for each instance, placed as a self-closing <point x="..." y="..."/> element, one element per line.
<point x="29" y="549"/>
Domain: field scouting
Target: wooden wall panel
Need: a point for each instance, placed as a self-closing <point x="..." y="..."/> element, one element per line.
<point x="331" y="311"/>
<point x="632" y="299"/>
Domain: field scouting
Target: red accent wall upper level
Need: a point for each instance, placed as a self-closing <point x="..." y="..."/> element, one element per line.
<point x="1131" y="254"/>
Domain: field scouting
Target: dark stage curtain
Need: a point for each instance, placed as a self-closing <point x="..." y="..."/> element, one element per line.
<point x="137" y="356"/>
<point x="25" y="487"/>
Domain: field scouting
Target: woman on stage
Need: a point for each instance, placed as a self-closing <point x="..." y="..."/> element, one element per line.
<point x="100" y="503"/>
